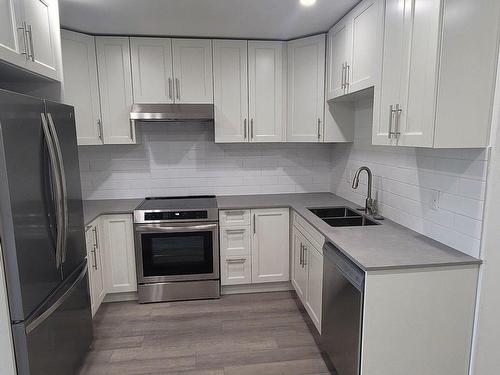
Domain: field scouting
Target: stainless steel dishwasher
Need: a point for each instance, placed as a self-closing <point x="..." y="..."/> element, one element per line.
<point x="343" y="288"/>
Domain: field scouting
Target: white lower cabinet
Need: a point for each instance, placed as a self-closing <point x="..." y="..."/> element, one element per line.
<point x="307" y="274"/>
<point x="95" y="265"/>
<point x="119" y="255"/>
<point x="254" y="250"/>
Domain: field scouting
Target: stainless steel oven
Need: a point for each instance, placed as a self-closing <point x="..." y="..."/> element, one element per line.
<point x="177" y="249"/>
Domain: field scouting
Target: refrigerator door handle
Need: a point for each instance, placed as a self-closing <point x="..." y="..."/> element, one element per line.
<point x="47" y="313"/>
<point x="63" y="187"/>
<point x="57" y="188"/>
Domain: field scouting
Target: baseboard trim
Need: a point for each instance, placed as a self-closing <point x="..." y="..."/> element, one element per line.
<point x="120" y="297"/>
<point x="257" y="288"/>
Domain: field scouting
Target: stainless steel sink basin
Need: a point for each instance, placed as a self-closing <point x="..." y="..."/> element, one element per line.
<point x="342" y="217"/>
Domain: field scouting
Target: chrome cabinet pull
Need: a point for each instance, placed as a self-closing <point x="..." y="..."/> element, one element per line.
<point x="245" y="128"/>
<point x="254" y="229"/>
<point x="31" y="54"/>
<point x="251" y="128"/>
<point x="178" y="88"/>
<point x="319" y="128"/>
<point x="301" y="257"/>
<point x="392" y="111"/>
<point x="237" y="260"/>
<point x="343" y="76"/>
<point x="347" y="73"/>
<point x="170" y="92"/>
<point x="305" y="256"/>
<point x="399" y="110"/>
<point x="25" y="40"/>
<point x="94" y="258"/>
<point x="100" y="130"/>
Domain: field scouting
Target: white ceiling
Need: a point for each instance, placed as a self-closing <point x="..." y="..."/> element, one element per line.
<point x="252" y="19"/>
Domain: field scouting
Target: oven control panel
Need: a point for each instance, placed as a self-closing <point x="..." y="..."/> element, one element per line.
<point x="176" y="215"/>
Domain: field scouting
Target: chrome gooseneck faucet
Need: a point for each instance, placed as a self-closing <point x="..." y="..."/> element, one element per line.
<point x="369" y="205"/>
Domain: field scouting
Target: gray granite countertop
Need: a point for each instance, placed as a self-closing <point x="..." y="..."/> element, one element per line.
<point x="386" y="246"/>
<point x="92" y="209"/>
<point x="378" y="247"/>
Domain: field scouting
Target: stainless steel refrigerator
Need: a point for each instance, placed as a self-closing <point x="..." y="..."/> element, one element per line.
<point x="42" y="235"/>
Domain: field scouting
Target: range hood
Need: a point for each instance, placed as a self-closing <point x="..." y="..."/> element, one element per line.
<point x="171" y="112"/>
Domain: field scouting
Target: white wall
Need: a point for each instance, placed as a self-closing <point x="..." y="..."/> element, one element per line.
<point x="182" y="158"/>
<point x="407" y="179"/>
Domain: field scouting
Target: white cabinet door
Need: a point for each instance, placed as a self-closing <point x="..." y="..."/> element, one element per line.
<point x="235" y="240"/>
<point x="115" y="87"/>
<point x="338" y="38"/>
<point x="94" y="260"/>
<point x="119" y="254"/>
<point x="42" y="19"/>
<point x="306" y="89"/>
<point x="152" y="70"/>
<point x="364" y="45"/>
<point x="270" y="245"/>
<point x="230" y="90"/>
<point x="81" y="88"/>
<point x="11" y="42"/>
<point x="266" y="90"/>
<point x="236" y="270"/>
<point x="314" y="263"/>
<point x="299" y="272"/>
<point x="388" y="94"/>
<point x="193" y="76"/>
<point x="417" y="100"/>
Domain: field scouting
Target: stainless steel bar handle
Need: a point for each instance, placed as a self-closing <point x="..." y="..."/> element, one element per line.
<point x="254" y="228"/>
<point x="63" y="185"/>
<point x="347" y="73"/>
<point x="238" y="260"/>
<point x="96" y="238"/>
<point x="100" y="130"/>
<point x="251" y="128"/>
<point x="343" y="76"/>
<point x="305" y="256"/>
<point x="25" y="40"/>
<point x="397" y="129"/>
<point x="31" y="54"/>
<point x="57" y="188"/>
<point x="170" y="92"/>
<point x="94" y="258"/>
<point x="319" y="128"/>
<point x="160" y="228"/>
<point x="245" y="128"/>
<point x="301" y="257"/>
<point x="390" y="133"/>
<point x="178" y="88"/>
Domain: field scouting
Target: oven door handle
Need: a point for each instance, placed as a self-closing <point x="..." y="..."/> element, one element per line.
<point x="181" y="228"/>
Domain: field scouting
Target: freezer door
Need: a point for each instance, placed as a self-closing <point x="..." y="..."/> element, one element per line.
<point x="61" y="120"/>
<point x="27" y="208"/>
<point x="56" y="341"/>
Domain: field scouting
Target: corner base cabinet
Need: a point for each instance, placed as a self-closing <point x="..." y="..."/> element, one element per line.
<point x="254" y="246"/>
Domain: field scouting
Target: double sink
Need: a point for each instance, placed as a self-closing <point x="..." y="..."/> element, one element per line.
<point x="342" y="217"/>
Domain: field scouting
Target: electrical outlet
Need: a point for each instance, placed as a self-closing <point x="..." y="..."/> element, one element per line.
<point x="435" y="200"/>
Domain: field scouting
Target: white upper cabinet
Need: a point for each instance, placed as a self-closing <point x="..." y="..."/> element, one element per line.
<point x="431" y="93"/>
<point x="306" y="89"/>
<point x="270" y="250"/>
<point x="266" y="80"/>
<point x="81" y="88"/>
<point x="230" y="90"/>
<point x="115" y="87"/>
<point x="152" y="70"/>
<point x="354" y="46"/>
<point x="43" y="38"/>
<point x="10" y="18"/>
<point x="29" y="36"/>
<point x="168" y="70"/>
<point x="192" y="67"/>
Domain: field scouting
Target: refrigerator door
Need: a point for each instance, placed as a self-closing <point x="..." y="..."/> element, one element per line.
<point x="56" y="340"/>
<point x="27" y="205"/>
<point x="61" y="120"/>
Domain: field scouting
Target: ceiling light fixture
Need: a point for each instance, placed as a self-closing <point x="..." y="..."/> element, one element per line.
<point x="307" y="3"/>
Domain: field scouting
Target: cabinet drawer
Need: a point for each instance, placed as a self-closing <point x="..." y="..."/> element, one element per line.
<point x="235" y="240"/>
<point x="236" y="270"/>
<point x="234" y="218"/>
<point x="311" y="233"/>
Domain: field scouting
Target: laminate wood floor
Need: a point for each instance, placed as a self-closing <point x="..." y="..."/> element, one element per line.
<point x="246" y="334"/>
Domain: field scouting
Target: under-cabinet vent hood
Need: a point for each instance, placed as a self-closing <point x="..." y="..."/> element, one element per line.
<point x="171" y="112"/>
